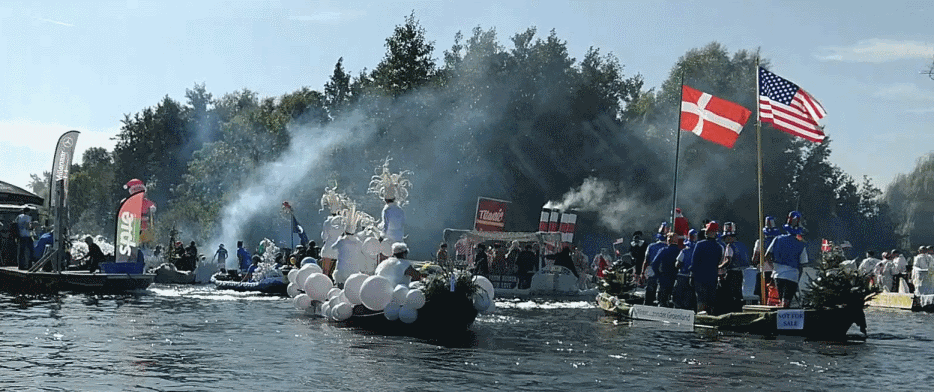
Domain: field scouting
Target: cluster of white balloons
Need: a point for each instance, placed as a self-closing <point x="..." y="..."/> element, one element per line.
<point x="308" y="285"/>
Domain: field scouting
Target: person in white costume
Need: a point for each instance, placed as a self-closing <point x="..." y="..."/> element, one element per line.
<point x="868" y="266"/>
<point x="396" y="268"/>
<point x="921" y="271"/>
<point x="349" y="248"/>
<point x="884" y="272"/>
<point x="332" y="228"/>
<point x="393" y="189"/>
<point x="900" y="274"/>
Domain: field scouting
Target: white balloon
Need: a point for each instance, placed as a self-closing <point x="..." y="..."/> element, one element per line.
<point x="318" y="285"/>
<point x="485" y="284"/>
<point x="481" y="301"/>
<point x="334" y="292"/>
<point x="386" y="247"/>
<point x="416" y="285"/>
<point x="352" y="287"/>
<point x="399" y="293"/>
<point x="302" y="275"/>
<point x="415" y="299"/>
<point x="292" y="289"/>
<point x="312" y="266"/>
<point x="392" y="310"/>
<point x="325" y="309"/>
<point x="302" y="301"/>
<point x="376" y="292"/>
<point x="293" y="275"/>
<point x="371" y="246"/>
<point x="344" y="311"/>
<point x="408" y="315"/>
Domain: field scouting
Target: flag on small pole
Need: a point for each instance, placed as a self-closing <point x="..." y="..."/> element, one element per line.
<point x="717" y="120"/>
<point x="789" y="108"/>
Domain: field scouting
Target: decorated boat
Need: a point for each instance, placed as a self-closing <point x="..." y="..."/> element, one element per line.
<point x="438" y="305"/>
<point x="547" y="281"/>
<point x="264" y="285"/>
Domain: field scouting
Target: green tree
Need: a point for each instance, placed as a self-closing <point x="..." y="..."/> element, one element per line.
<point x="337" y="89"/>
<point x="408" y="63"/>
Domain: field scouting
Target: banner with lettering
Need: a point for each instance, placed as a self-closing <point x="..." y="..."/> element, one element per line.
<point x="128" y="223"/>
<point x="491" y="214"/>
<point x="61" y="165"/>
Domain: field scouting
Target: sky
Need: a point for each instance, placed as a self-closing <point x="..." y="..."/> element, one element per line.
<point x="84" y="65"/>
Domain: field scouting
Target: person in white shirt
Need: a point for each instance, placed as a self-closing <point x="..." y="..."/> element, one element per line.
<point x="884" y="272"/>
<point x="396" y="268"/>
<point x="900" y="274"/>
<point x="868" y="265"/>
<point x="921" y="276"/>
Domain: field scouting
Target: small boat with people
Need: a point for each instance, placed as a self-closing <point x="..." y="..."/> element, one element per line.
<point x="526" y="270"/>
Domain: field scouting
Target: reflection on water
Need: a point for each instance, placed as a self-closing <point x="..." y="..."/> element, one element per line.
<point x="197" y="338"/>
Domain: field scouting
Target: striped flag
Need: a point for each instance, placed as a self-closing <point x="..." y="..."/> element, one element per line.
<point x="711" y="118"/>
<point x="789" y="108"/>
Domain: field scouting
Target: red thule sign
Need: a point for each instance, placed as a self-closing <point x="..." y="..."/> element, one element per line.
<point x="491" y="214"/>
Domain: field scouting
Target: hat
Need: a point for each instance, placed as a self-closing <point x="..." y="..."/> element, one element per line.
<point x="399" y="247"/>
<point x="712" y="226"/>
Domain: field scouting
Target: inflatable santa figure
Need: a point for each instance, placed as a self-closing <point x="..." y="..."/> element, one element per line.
<point x="147" y="212"/>
<point x="393" y="189"/>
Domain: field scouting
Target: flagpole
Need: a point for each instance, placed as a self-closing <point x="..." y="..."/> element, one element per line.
<point x="762" y="244"/>
<point x="674" y="191"/>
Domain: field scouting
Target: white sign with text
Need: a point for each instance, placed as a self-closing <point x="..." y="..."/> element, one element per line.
<point x="668" y="315"/>
<point x="790" y="319"/>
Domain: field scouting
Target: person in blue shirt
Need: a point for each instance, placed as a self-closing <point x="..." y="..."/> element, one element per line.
<point x="708" y="254"/>
<point x="735" y="262"/>
<point x="251" y="269"/>
<point x="243" y="256"/>
<point x="651" y="280"/>
<point x="44" y="239"/>
<point x="789" y="253"/>
<point x="665" y="270"/>
<point x="683" y="292"/>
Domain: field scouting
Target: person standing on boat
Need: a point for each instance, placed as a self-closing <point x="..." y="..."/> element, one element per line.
<point x="397" y="269"/>
<point x="254" y="265"/>
<point x="683" y="291"/>
<point x="331" y="229"/>
<point x="666" y="271"/>
<point x="25" y="249"/>
<point x="868" y="265"/>
<point x="707" y="256"/>
<point x="900" y="274"/>
<point x="525" y="265"/>
<point x="243" y="257"/>
<point x="601" y="263"/>
<point x="350" y="256"/>
<point x="736" y="262"/>
<point x="770" y="231"/>
<point x="481" y="263"/>
<point x="95" y="255"/>
<point x="923" y="262"/>
<point x="442" y="256"/>
<point x="637" y="248"/>
<point x="650" y="278"/>
<point x="582" y="264"/>
<point x="789" y="254"/>
<point x="221" y="256"/>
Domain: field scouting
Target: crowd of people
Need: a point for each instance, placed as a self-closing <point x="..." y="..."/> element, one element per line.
<point x="703" y="269"/>
<point x="896" y="273"/>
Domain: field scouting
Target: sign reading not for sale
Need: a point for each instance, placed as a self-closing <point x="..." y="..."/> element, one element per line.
<point x="491" y="214"/>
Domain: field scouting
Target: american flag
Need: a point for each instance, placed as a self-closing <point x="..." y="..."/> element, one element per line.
<point x="788" y="107"/>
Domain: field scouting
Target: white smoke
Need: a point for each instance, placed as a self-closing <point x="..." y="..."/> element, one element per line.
<point x="616" y="208"/>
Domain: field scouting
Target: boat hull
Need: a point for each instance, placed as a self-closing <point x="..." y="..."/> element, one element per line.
<point x="827" y="324"/>
<point x="439" y="318"/>
<point x="17" y="280"/>
<point x="273" y="286"/>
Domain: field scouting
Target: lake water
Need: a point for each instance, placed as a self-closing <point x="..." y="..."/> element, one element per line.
<point x="193" y="338"/>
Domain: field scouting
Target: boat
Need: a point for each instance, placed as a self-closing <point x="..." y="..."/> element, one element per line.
<point x="549" y="281"/>
<point x="823" y="324"/>
<point x="440" y="317"/>
<point x="270" y="285"/>
<point x="24" y="281"/>
<point x="167" y="273"/>
<point x="51" y="272"/>
<point x="903" y="301"/>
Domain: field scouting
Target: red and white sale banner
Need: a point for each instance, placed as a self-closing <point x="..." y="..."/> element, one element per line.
<point x="491" y="214"/>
